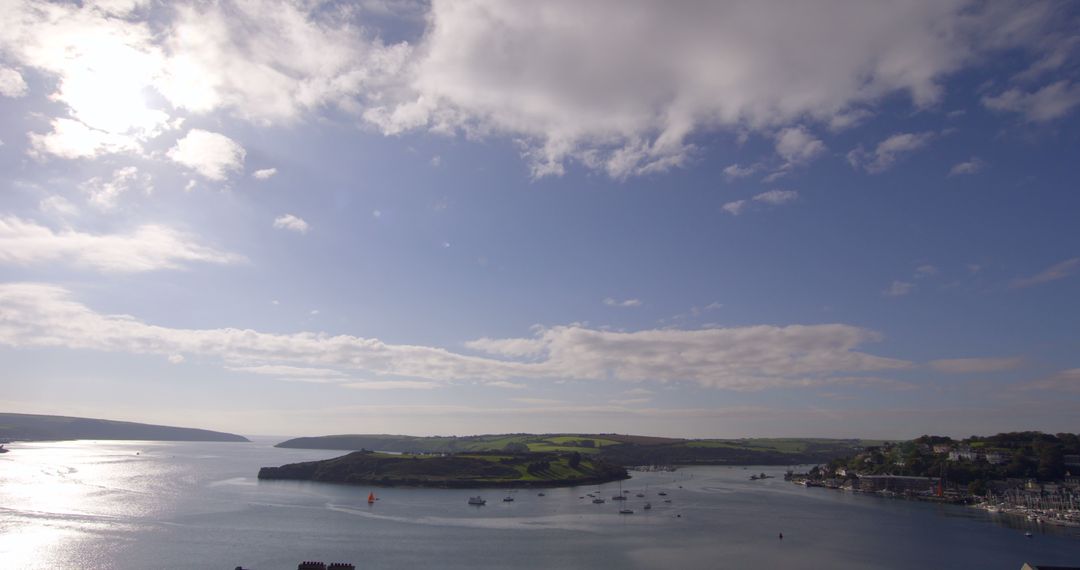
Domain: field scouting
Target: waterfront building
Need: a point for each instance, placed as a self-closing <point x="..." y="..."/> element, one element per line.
<point x="896" y="483"/>
<point x="963" y="454"/>
<point x="996" y="458"/>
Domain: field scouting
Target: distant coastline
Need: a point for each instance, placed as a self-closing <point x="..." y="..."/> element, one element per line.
<point x="31" y="427"/>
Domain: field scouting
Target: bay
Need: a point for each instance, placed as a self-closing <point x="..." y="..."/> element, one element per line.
<point x="119" y="505"/>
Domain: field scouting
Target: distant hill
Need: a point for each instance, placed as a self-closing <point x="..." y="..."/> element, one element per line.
<point x="26" y="427"/>
<point x="617" y="448"/>
<point x="515" y="470"/>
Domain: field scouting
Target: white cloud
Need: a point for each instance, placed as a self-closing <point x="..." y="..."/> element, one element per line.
<point x="639" y="392"/>
<point x="149" y="247"/>
<point x="264" y="174"/>
<point x="898" y="289"/>
<point x="612" y="302"/>
<point x="777" y="197"/>
<point x="212" y="155"/>
<point x="38" y="315"/>
<point x="888" y="151"/>
<point x="272" y="61"/>
<point x="971" y="166"/>
<point x="291" y="223"/>
<point x="618" y="86"/>
<point x="975" y="365"/>
<point x="1053" y="273"/>
<point x="286" y="373"/>
<point x="1064" y="381"/>
<point x="797" y="146"/>
<point x="740" y="357"/>
<point x="925" y="270"/>
<point x="289" y="371"/>
<point x="392" y="385"/>
<point x="631" y="401"/>
<point x="11" y="83"/>
<point x="735" y="171"/>
<point x="1048" y="103"/>
<point x="58" y="207"/>
<point x="176" y="359"/>
<point x="734" y="208"/>
<point x="507" y="385"/>
<point x="72" y="139"/>
<point x="849" y="119"/>
<point x="103" y="66"/>
<point x="104" y="193"/>
<point x="771" y="197"/>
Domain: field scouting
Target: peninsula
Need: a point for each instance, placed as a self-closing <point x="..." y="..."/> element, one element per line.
<point x="29" y="427"/>
<point x="465" y="470"/>
<point x="630" y="450"/>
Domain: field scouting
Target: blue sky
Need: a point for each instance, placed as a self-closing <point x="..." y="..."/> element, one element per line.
<point x="822" y="219"/>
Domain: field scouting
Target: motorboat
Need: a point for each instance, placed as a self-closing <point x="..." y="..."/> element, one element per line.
<point x="477" y="500"/>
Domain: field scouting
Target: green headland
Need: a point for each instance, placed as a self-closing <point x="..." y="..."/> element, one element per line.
<point x="462" y="470"/>
<point x="619" y="449"/>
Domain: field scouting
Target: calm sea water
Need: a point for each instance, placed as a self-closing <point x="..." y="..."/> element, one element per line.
<point x="144" y="505"/>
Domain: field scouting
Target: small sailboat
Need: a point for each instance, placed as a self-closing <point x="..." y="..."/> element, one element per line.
<point x="371" y="498"/>
<point x="647" y="507"/>
<point x="620" y="496"/>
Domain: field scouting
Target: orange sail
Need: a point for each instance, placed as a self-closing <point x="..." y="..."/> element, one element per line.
<point x="371" y="498"/>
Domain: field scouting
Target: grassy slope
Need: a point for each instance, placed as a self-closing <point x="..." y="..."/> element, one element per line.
<point x="623" y="449"/>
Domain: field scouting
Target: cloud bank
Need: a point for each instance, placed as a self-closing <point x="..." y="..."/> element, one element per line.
<point x="742" y="358"/>
<point x="148" y="247"/>
<point x="620" y="86"/>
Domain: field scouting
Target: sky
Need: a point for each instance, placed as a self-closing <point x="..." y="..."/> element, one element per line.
<point x="839" y="218"/>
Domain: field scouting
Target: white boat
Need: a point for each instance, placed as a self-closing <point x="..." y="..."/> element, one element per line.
<point x="477" y="500"/>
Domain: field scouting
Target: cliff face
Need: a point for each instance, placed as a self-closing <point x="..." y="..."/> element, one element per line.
<point x="456" y="471"/>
